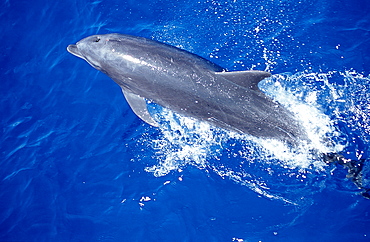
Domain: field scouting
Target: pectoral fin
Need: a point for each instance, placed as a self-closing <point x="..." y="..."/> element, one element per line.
<point x="138" y="105"/>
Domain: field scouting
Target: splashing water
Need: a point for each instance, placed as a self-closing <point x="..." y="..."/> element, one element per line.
<point x="270" y="167"/>
<point x="184" y="141"/>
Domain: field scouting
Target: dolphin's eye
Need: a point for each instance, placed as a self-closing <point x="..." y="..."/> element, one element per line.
<point x="96" y="39"/>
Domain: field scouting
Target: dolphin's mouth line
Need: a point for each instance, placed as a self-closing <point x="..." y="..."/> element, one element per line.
<point x="74" y="51"/>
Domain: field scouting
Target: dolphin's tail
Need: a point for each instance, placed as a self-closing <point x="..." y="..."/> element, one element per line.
<point x="354" y="168"/>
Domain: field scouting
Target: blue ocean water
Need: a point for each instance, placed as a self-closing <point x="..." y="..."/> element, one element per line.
<point x="78" y="165"/>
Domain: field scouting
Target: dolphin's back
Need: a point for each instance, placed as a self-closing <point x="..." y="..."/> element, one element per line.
<point x="151" y="49"/>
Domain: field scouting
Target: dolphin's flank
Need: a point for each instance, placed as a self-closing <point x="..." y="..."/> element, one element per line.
<point x="189" y="85"/>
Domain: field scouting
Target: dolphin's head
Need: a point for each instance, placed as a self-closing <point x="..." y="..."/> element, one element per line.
<point x="92" y="49"/>
<point x="113" y="54"/>
<point x="117" y="55"/>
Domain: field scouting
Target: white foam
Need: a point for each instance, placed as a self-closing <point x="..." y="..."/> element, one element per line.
<point x="184" y="141"/>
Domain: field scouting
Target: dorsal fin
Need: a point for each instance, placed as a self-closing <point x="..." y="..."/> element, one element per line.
<point x="247" y="79"/>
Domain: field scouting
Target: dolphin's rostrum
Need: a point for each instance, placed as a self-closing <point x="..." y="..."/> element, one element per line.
<point x="188" y="85"/>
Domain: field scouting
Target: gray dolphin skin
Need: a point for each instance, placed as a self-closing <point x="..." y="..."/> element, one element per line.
<point x="188" y="85"/>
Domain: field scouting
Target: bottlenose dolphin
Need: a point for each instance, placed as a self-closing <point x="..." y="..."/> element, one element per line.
<point x="192" y="86"/>
<point x="189" y="85"/>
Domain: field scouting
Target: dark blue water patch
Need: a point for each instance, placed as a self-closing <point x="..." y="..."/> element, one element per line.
<point x="290" y="34"/>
